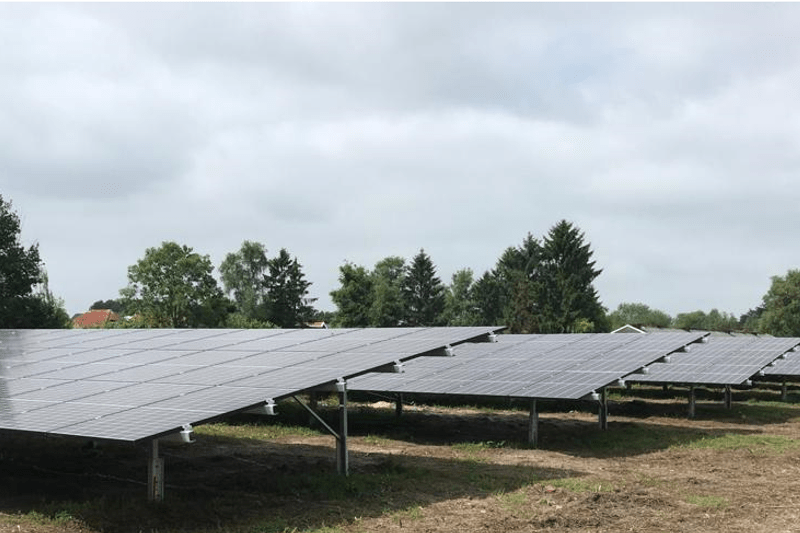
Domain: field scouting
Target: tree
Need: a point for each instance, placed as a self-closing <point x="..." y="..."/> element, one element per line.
<point x="25" y="298"/>
<point x="486" y="293"/>
<point x="113" y="305"/>
<point x="565" y="299"/>
<point x="243" y="274"/>
<point x="781" y="315"/>
<point x="638" y="314"/>
<point x="287" y="303"/>
<point x="354" y="296"/>
<point x="423" y="292"/>
<point x="459" y="304"/>
<point x="172" y="286"/>
<point x="388" y="307"/>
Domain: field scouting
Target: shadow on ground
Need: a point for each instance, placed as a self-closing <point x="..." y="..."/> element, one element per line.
<point x="236" y="484"/>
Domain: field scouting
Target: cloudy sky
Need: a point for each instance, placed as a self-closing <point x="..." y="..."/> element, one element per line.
<point x="668" y="133"/>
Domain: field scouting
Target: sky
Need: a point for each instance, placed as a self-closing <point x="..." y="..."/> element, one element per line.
<point x="668" y="133"/>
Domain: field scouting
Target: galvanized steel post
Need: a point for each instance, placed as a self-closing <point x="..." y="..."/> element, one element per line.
<point x="533" y="425"/>
<point x="342" y="463"/>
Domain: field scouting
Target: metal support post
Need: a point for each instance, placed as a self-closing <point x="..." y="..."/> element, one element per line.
<point x="728" y="397"/>
<point x="342" y="464"/>
<point x="155" y="480"/>
<point x="533" y="425"/>
<point x="603" y="412"/>
<point x="784" y="392"/>
<point x="313" y="400"/>
<point x="692" y="401"/>
<point x="398" y="406"/>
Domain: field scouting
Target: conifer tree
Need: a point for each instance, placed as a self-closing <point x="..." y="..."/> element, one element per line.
<point x="423" y="292"/>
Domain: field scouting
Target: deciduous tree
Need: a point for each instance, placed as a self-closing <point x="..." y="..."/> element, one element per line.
<point x="172" y="286"/>
<point x="25" y="298"/>
<point x="243" y="273"/>
<point x="781" y="316"/>
<point x="354" y="296"/>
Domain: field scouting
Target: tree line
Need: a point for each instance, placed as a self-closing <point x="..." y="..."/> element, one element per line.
<point x="543" y="285"/>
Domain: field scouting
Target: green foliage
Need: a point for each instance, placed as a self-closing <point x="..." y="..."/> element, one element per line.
<point x="423" y="292"/>
<point x="638" y="314"/>
<point x="241" y="321"/>
<point x="488" y="295"/>
<point x="354" y="297"/>
<point x="781" y="316"/>
<point x="243" y="274"/>
<point x="713" y="321"/>
<point x="25" y="299"/>
<point x="113" y="305"/>
<point x="566" y="300"/>
<point x="172" y="286"/>
<point x="460" y="308"/>
<point x="388" y="307"/>
<point x="287" y="303"/>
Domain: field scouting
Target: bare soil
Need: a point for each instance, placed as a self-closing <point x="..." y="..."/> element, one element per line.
<point x="436" y="469"/>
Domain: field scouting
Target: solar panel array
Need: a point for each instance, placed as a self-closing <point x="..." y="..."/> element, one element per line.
<point x="568" y="366"/>
<point x="786" y="367"/>
<point x="720" y="361"/>
<point x="129" y="385"/>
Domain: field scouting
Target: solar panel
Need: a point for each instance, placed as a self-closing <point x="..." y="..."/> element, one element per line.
<point x="566" y="366"/>
<point x="721" y="361"/>
<point x="131" y="385"/>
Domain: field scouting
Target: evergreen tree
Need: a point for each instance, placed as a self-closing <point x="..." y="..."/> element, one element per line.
<point x="486" y="293"/>
<point x="423" y="292"/>
<point x="566" y="300"/>
<point x="287" y="303"/>
<point x="354" y="296"/>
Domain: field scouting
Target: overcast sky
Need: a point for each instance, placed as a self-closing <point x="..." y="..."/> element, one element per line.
<point x="668" y="133"/>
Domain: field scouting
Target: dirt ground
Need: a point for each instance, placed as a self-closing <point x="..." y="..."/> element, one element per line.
<point x="436" y="469"/>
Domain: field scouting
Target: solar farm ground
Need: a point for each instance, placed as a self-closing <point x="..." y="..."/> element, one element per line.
<point x="438" y="469"/>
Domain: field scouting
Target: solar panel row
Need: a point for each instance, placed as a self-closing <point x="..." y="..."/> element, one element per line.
<point x="131" y="385"/>
<point x="569" y="366"/>
<point x="721" y="361"/>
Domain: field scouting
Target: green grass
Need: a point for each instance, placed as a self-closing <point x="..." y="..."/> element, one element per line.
<point x="582" y="485"/>
<point x="711" y="502"/>
<point x="255" y="431"/>
<point x="756" y="444"/>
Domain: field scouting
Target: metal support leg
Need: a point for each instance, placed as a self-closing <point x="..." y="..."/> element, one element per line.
<point x="692" y="401"/>
<point x="398" y="406"/>
<point x="728" y="397"/>
<point x="603" y="412"/>
<point x="533" y="425"/>
<point x="342" y="464"/>
<point x="784" y="392"/>
<point x="313" y="401"/>
<point x="155" y="480"/>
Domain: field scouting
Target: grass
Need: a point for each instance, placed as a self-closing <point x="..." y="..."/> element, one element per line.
<point x="582" y="485"/>
<point x="709" y="502"/>
<point x="254" y="431"/>
<point x="756" y="444"/>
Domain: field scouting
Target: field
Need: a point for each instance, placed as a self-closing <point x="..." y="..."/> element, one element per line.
<point x="436" y="469"/>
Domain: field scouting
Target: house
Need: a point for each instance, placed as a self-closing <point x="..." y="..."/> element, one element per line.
<point x="96" y="318"/>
